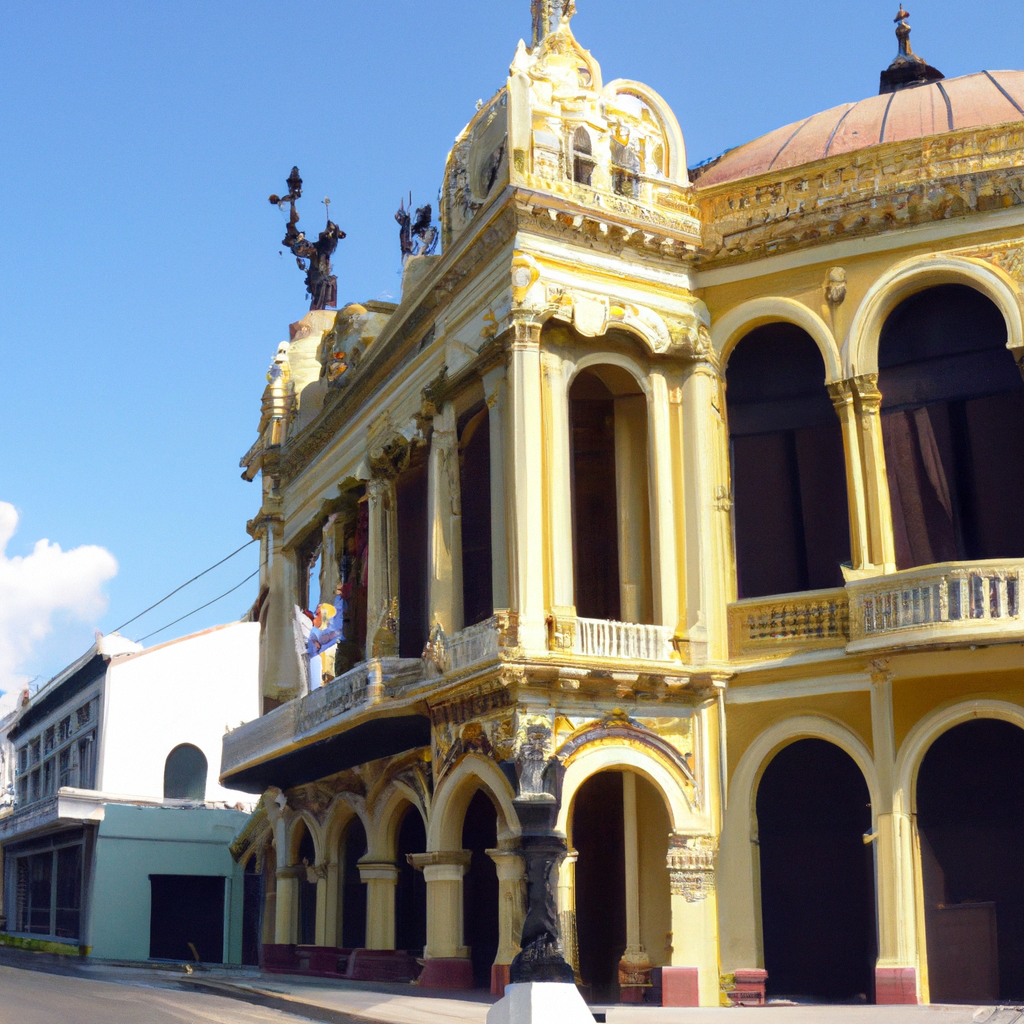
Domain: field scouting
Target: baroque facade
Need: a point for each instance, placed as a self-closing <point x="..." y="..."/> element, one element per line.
<point x="684" y="505"/>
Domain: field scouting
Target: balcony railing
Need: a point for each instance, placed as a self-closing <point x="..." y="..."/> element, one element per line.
<point x="604" y="638"/>
<point x="958" y="602"/>
<point x="786" y="623"/>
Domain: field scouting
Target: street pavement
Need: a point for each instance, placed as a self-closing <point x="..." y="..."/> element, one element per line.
<point x="55" y="990"/>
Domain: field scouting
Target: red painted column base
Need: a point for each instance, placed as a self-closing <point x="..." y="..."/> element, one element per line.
<point x="896" y="986"/>
<point x="446" y="972"/>
<point x="679" y="986"/>
<point x="499" y="978"/>
<point x="750" y="986"/>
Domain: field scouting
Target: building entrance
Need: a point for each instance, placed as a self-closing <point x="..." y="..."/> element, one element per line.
<point x="817" y="876"/>
<point x="187" y="918"/>
<point x="970" y="816"/>
<point x="480" y="887"/>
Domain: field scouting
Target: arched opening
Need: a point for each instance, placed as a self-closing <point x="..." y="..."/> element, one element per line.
<point x="411" y="887"/>
<point x="352" y="891"/>
<point x="620" y="830"/>
<point x="951" y="399"/>
<point x="610" y="503"/>
<point x="625" y="170"/>
<point x="582" y="156"/>
<point x="253" y="899"/>
<point x="307" y="888"/>
<point x="970" y="817"/>
<point x="788" y="466"/>
<point x="185" y="773"/>
<point x="475" y="500"/>
<point x="269" y="918"/>
<point x="817" y="875"/>
<point x="480" y="887"/>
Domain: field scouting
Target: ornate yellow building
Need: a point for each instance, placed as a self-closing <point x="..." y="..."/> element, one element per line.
<point x="686" y="507"/>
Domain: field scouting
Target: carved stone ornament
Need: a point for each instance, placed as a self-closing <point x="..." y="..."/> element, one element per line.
<point x="691" y="866"/>
<point x="436" y="657"/>
<point x="835" y="286"/>
<point x="389" y="455"/>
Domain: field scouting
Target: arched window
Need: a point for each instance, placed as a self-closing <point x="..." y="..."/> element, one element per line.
<point x="185" y="773"/>
<point x="952" y="417"/>
<point x="788" y="467"/>
<point x="582" y="156"/>
<point x="625" y="170"/>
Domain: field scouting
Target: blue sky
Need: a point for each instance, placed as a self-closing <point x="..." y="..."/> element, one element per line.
<point x="142" y="294"/>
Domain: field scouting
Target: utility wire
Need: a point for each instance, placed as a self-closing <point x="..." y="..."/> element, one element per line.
<point x="184" y="585"/>
<point x="199" y="609"/>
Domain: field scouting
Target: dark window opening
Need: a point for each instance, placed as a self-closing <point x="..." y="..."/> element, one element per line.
<point x="253" y="900"/>
<point x="475" y="491"/>
<point x="48" y="890"/>
<point x="185" y="773"/>
<point x="307" y="889"/>
<point x="582" y="156"/>
<point x="353" y="891"/>
<point x="187" y="912"/>
<point x="353" y="572"/>
<point x="817" y="875"/>
<point x="480" y="887"/>
<point x="791" y="516"/>
<point x="625" y="170"/>
<point x="411" y="491"/>
<point x="970" y="816"/>
<point x="952" y="411"/>
<point x="411" y="890"/>
<point x="598" y="837"/>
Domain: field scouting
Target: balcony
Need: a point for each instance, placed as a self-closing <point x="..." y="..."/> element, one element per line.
<point x="603" y="638"/>
<point x="784" y="624"/>
<point x="937" y="605"/>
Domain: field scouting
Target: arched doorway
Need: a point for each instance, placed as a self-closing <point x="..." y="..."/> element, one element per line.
<point x="817" y="875"/>
<point x="970" y="817"/>
<point x="480" y="887"/>
<point x="951" y="396"/>
<point x="411" y="887"/>
<point x="620" y="829"/>
<point x="307" y="889"/>
<point x="351" y="887"/>
<point x="788" y="466"/>
<point x="253" y="900"/>
<point x="610" y="503"/>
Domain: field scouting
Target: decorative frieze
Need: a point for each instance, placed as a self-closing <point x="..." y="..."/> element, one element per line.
<point x="691" y="866"/>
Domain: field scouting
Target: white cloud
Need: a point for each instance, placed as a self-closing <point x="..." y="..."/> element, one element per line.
<point x="33" y="587"/>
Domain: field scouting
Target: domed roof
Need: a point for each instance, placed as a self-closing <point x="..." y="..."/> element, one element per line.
<point x="985" y="98"/>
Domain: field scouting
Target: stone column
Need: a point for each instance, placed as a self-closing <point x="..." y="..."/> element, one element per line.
<point x="332" y="901"/>
<point x="868" y="404"/>
<point x="567" y="911"/>
<point x="447" y="958"/>
<point x="382" y="554"/>
<point x="445" y="538"/>
<point x="524" y="445"/>
<point x="380" y="881"/>
<point x="322" y="910"/>
<point x="691" y="864"/>
<point x="633" y="506"/>
<point x="496" y="392"/>
<point x="842" y="395"/>
<point x="708" y="500"/>
<point x="511" y="913"/>
<point x="557" y="461"/>
<point x="283" y="679"/>
<point x="663" y="553"/>
<point x="286" y="929"/>
<point x="899" y="977"/>
<point x="635" y="965"/>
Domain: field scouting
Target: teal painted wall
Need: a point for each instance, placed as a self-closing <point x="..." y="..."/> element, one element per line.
<point x="133" y="843"/>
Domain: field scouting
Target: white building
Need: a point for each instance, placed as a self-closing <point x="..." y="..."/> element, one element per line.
<point x="118" y="844"/>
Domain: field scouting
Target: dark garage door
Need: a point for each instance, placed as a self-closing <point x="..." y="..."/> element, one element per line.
<point x="187" y="908"/>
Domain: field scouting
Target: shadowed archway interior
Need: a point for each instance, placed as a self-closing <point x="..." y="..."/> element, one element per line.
<point x="480" y="892"/>
<point x="817" y="876"/>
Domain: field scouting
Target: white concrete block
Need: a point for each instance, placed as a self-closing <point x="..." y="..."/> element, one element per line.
<point x="540" y="1002"/>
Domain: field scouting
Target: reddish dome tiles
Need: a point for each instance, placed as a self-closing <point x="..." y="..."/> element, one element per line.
<point x="985" y="98"/>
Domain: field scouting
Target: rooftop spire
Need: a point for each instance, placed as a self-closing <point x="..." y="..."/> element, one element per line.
<point x="908" y="69"/>
<point x="546" y="16"/>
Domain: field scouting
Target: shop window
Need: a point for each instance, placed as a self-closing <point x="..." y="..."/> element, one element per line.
<point x="48" y="893"/>
<point x="185" y="773"/>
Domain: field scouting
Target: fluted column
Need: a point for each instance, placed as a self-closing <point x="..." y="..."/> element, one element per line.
<point x="558" y="480"/>
<point x="661" y="467"/>
<point x="842" y="395"/>
<point x="868" y="403"/>
<point x="445" y="537"/>
<point x="382" y="549"/>
<point x="283" y="677"/>
<point x="496" y="392"/>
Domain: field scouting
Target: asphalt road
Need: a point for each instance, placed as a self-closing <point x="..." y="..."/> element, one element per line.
<point x="34" y="997"/>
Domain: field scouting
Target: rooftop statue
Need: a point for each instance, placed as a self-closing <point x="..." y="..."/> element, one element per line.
<point x="416" y="237"/>
<point x="312" y="257"/>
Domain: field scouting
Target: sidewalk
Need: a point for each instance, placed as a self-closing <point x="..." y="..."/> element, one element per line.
<point x="352" y="1002"/>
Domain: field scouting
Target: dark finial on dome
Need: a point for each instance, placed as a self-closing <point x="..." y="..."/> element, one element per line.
<point x="907" y="70"/>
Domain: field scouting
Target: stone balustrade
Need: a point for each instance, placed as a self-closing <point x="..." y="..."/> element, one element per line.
<point x="956" y="602"/>
<point x="602" y="638"/>
<point x="786" y="623"/>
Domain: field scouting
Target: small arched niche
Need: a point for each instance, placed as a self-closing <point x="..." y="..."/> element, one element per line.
<point x="791" y="518"/>
<point x="952" y="420"/>
<point x="610" y="501"/>
<point x="185" y="773"/>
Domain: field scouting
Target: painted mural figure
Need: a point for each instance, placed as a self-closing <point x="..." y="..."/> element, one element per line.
<point x="328" y="627"/>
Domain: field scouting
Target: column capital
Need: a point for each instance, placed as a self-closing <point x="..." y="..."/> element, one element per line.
<point x="866" y="387"/>
<point x="378" y="872"/>
<point x="524" y="333"/>
<point x="841" y="392"/>
<point x="510" y="864"/>
<point x="441" y="865"/>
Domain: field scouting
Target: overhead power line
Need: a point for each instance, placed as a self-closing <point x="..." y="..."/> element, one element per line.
<point x="183" y="586"/>
<point x="199" y="609"/>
